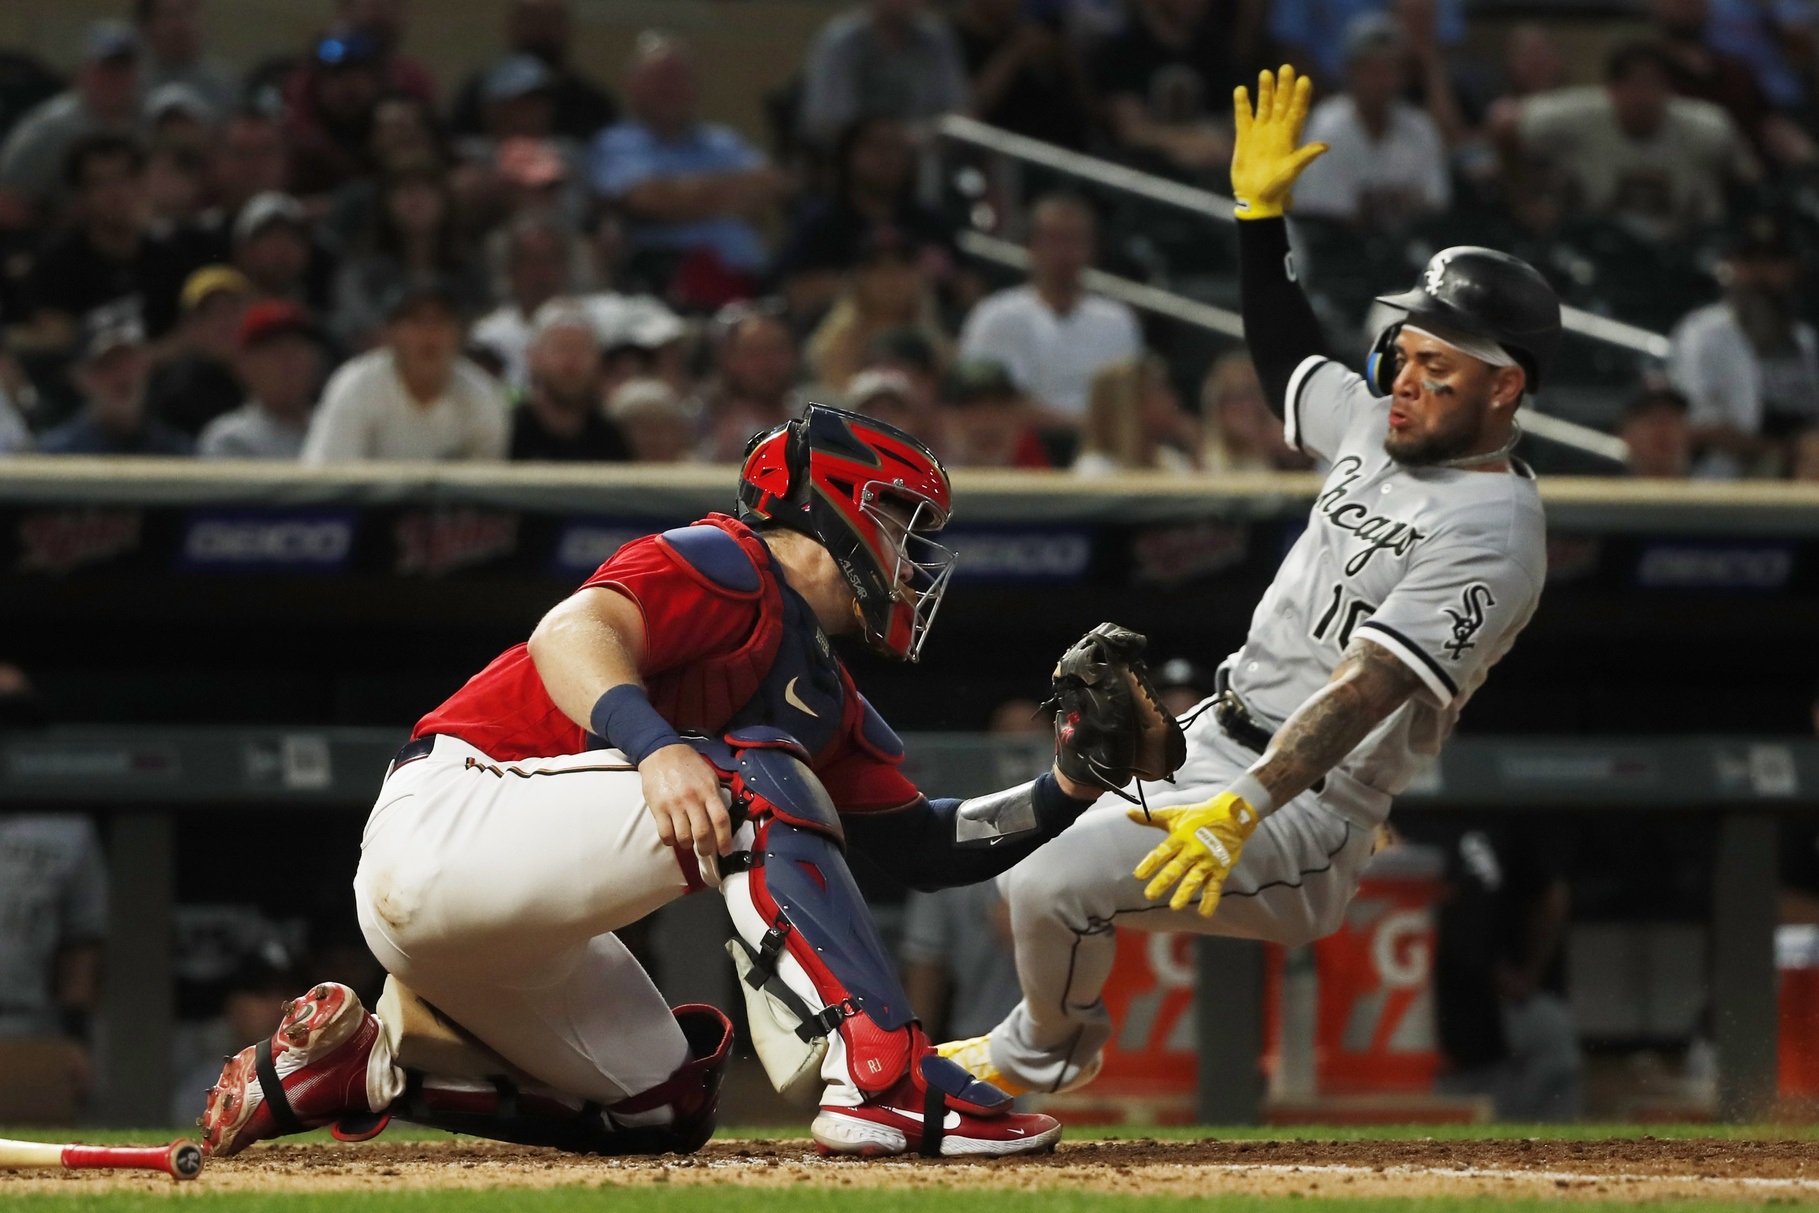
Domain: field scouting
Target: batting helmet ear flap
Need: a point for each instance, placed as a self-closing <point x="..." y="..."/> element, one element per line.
<point x="1384" y="361"/>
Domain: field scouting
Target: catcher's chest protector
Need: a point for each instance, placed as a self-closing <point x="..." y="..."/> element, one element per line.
<point x="785" y="676"/>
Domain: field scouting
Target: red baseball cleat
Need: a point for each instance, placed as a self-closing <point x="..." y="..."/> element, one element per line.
<point x="320" y="1067"/>
<point x="939" y="1111"/>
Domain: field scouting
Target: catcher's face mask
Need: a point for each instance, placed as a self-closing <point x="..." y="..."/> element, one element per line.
<point x="875" y="497"/>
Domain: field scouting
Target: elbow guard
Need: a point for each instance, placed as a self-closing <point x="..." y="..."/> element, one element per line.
<point x="1037" y="807"/>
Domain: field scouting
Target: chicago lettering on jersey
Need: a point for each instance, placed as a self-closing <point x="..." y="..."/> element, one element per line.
<point x="1379" y="532"/>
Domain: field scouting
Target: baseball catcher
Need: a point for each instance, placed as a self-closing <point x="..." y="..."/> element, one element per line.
<point x="1423" y="559"/>
<point x="680" y="722"/>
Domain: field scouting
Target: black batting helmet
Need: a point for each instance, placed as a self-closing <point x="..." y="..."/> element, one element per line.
<point x="1476" y="292"/>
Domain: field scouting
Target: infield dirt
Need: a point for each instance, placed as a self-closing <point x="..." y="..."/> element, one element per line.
<point x="1627" y="1169"/>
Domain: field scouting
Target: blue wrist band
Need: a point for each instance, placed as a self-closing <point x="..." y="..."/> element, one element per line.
<point x="626" y="721"/>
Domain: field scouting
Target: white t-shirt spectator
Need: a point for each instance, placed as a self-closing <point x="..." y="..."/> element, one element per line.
<point x="1728" y="382"/>
<point x="1674" y="179"/>
<point x="1052" y="358"/>
<point x="249" y="432"/>
<point x="366" y="413"/>
<point x="14" y="435"/>
<point x="1400" y="175"/>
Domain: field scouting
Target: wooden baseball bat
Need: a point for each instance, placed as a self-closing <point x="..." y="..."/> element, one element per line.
<point x="181" y="1159"/>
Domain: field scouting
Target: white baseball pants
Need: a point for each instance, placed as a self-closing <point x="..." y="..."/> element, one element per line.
<point x="492" y="889"/>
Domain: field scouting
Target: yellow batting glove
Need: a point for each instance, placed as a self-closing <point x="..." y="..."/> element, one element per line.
<point x="1268" y="155"/>
<point x="1203" y="845"/>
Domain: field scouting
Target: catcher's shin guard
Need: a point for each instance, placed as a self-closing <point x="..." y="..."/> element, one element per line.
<point x="826" y="1002"/>
<point x="674" y="1117"/>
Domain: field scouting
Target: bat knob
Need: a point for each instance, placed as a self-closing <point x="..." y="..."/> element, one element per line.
<point x="186" y="1160"/>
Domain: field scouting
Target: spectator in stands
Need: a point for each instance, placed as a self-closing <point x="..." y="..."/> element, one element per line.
<point x="1314" y="31"/>
<point x="1748" y="363"/>
<point x="1242" y="434"/>
<point x="281" y="363"/>
<point x="1660" y="440"/>
<point x="329" y="112"/>
<point x="911" y="353"/>
<point x="1533" y="64"/>
<point x="415" y="397"/>
<point x="545" y="29"/>
<point x="107" y="254"/>
<point x="885" y="291"/>
<point x="53" y="900"/>
<point x="174" y="34"/>
<point x="250" y="158"/>
<point x="1167" y="83"/>
<point x="178" y="115"/>
<point x="1026" y="75"/>
<point x="1775" y="37"/>
<point x="874" y="185"/>
<point x="1051" y="333"/>
<point x="195" y="382"/>
<point x="1135" y="423"/>
<point x="639" y="338"/>
<point x="1697" y="70"/>
<point x="561" y="417"/>
<point x="992" y="424"/>
<point x="890" y="397"/>
<point x="690" y="189"/>
<point x="889" y="58"/>
<point x="1388" y="160"/>
<point x="175" y="190"/>
<point x="658" y="424"/>
<point x="274" y="249"/>
<point x="1454" y="94"/>
<point x="110" y="373"/>
<point x="537" y="269"/>
<point x="1631" y="149"/>
<point x="413" y="237"/>
<point x="103" y="100"/>
<point x="754" y="388"/>
<point x="385" y="22"/>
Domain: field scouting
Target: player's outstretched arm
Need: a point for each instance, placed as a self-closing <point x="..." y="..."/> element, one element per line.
<point x="1367" y="685"/>
<point x="1205" y="840"/>
<point x="588" y="651"/>
<point x="1279" y="323"/>
<point x="941" y="844"/>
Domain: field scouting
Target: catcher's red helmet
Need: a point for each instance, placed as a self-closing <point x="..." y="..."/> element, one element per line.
<point x="874" y="497"/>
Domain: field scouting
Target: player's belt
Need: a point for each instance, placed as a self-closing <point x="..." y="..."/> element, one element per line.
<point x="412" y="750"/>
<point x="1236" y="719"/>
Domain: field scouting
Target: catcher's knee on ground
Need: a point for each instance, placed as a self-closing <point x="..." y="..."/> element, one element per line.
<point x="453" y="1081"/>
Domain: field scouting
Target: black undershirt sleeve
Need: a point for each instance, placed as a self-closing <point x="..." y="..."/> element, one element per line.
<point x="916" y="844"/>
<point x="1279" y="322"/>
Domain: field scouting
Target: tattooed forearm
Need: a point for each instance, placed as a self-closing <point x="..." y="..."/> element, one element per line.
<point x="1367" y="685"/>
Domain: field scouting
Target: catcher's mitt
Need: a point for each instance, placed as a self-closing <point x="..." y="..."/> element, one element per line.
<point x="1110" y="725"/>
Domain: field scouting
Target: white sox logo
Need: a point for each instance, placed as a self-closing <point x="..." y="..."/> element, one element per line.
<point x="1436" y="272"/>
<point x="1468" y="619"/>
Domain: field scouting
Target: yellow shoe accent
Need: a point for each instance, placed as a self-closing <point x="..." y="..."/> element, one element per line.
<point x="975" y="1057"/>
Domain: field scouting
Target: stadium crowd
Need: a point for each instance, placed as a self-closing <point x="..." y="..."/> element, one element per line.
<point x="334" y="256"/>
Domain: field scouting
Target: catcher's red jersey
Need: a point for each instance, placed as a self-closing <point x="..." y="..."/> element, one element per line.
<point x="728" y="643"/>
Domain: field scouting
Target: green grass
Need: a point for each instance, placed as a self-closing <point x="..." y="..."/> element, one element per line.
<point x="727" y="1199"/>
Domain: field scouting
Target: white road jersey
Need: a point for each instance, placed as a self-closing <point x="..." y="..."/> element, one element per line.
<point x="1442" y="567"/>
